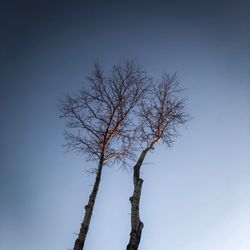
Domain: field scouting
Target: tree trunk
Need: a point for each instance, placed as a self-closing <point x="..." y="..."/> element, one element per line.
<point x="136" y="223"/>
<point x="79" y="242"/>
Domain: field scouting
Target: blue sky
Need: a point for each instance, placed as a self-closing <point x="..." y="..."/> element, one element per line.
<point x="196" y="195"/>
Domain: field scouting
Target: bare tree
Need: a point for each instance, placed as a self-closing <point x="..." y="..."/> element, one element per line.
<point x="160" y="115"/>
<point x="98" y="123"/>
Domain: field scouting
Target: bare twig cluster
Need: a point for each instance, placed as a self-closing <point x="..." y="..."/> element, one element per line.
<point x="97" y="118"/>
<point x="162" y="111"/>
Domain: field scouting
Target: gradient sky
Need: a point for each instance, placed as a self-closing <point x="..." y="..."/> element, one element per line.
<point x="196" y="195"/>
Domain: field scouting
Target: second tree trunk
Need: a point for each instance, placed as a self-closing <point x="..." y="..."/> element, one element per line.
<point x="136" y="223"/>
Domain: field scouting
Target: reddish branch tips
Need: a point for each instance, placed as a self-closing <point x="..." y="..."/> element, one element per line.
<point x="162" y="111"/>
<point x="97" y="119"/>
<point x="113" y="115"/>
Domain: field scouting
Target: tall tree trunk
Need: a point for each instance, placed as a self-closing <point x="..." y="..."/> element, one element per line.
<point x="136" y="223"/>
<point x="79" y="242"/>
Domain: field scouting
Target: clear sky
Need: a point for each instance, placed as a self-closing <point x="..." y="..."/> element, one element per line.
<point x="196" y="195"/>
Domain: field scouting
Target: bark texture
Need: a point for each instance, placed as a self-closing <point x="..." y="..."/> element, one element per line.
<point x="136" y="223"/>
<point x="79" y="242"/>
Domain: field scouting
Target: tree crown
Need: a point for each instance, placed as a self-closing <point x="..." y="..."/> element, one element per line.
<point x="97" y="118"/>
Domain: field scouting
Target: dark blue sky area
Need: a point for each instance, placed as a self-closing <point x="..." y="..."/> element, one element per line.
<point x="47" y="50"/>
